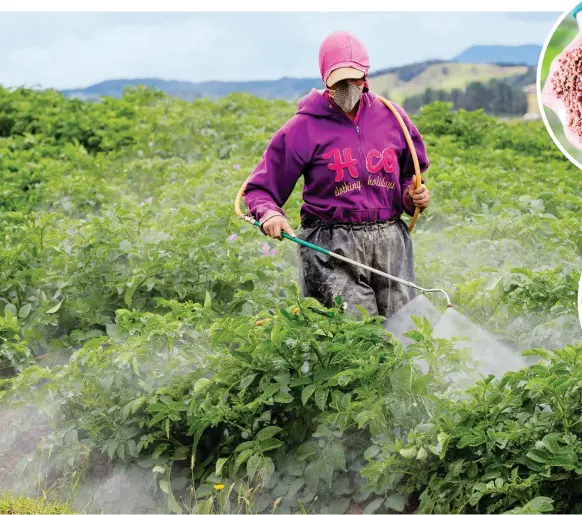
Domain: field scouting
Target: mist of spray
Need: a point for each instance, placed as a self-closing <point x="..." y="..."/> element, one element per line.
<point x="491" y="355"/>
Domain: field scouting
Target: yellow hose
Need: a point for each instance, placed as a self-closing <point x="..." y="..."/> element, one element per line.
<point x="238" y="197"/>
<point x="412" y="152"/>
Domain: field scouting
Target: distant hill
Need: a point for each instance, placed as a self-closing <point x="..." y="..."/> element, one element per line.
<point x="397" y="83"/>
<point x="500" y="54"/>
<point x="446" y="76"/>
<point x="284" y="88"/>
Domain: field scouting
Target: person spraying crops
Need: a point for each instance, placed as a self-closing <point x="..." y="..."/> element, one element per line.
<point x="358" y="181"/>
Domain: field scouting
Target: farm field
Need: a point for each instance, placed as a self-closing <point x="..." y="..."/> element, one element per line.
<point x="157" y="356"/>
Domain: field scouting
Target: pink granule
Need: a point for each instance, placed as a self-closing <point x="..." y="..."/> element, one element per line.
<point x="567" y="86"/>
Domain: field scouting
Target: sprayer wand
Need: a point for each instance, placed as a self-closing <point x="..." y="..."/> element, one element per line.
<point x="252" y="221"/>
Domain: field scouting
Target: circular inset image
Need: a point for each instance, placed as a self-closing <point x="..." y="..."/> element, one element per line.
<point x="559" y="84"/>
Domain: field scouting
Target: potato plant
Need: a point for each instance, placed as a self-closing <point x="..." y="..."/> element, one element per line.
<point x="146" y="332"/>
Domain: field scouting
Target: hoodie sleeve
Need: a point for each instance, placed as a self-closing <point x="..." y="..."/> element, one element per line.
<point x="407" y="163"/>
<point x="274" y="178"/>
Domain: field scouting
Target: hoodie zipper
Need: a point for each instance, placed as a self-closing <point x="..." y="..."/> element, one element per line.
<point x="360" y="148"/>
<point x="362" y="157"/>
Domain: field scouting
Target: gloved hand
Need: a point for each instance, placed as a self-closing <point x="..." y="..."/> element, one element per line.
<point x="557" y="100"/>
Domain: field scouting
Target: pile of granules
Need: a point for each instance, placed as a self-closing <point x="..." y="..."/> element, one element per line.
<point x="567" y="85"/>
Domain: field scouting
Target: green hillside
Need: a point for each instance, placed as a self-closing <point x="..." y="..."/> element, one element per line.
<point x="446" y="76"/>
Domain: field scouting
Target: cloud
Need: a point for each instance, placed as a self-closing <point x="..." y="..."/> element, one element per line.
<point x="534" y="17"/>
<point x="67" y="50"/>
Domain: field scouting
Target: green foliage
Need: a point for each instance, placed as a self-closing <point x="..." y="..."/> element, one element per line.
<point x="9" y="504"/>
<point x="153" y="329"/>
<point x="512" y="441"/>
<point x="467" y="127"/>
<point x="13" y="351"/>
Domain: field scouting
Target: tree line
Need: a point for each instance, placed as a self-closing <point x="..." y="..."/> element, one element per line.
<point x="495" y="97"/>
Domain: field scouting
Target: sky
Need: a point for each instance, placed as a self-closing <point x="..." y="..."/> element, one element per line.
<point x="75" y="50"/>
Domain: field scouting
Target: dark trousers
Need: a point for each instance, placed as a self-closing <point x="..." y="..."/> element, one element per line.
<point x="386" y="246"/>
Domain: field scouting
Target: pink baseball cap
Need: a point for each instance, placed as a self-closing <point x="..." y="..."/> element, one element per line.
<point x="342" y="56"/>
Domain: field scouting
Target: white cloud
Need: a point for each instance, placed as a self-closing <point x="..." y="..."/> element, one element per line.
<point x="66" y="50"/>
<point x="535" y="17"/>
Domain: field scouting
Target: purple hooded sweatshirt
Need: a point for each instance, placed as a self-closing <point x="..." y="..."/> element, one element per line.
<point x="354" y="171"/>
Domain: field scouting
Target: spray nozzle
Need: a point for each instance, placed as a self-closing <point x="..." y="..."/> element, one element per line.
<point x="436" y="290"/>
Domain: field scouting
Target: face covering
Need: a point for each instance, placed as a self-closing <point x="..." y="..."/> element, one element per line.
<point x="346" y="95"/>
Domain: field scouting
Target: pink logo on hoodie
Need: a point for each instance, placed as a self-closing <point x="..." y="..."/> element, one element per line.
<point x="387" y="160"/>
<point x="338" y="165"/>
